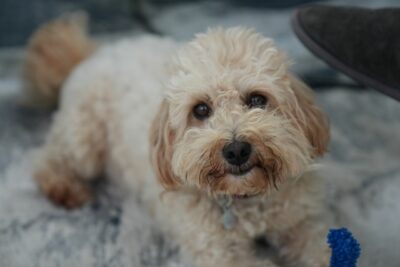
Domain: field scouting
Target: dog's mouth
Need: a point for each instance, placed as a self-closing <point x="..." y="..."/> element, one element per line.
<point x="243" y="196"/>
<point x="240" y="170"/>
<point x="241" y="182"/>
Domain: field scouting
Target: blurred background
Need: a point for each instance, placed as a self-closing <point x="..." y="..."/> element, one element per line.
<point x="362" y="170"/>
<point x="19" y="18"/>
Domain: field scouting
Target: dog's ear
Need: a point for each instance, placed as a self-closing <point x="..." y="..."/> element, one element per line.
<point x="161" y="139"/>
<point x="311" y="119"/>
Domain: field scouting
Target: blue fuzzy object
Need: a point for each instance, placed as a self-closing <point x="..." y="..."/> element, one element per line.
<point x="345" y="248"/>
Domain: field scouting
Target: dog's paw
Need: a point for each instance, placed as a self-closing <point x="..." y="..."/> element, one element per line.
<point x="63" y="191"/>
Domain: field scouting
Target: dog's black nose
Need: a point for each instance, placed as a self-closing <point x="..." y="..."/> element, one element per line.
<point x="237" y="153"/>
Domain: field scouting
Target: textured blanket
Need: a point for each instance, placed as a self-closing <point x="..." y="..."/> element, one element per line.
<point x="362" y="170"/>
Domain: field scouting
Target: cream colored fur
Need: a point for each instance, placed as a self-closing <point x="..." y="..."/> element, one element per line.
<point x="144" y="86"/>
<point x="52" y="53"/>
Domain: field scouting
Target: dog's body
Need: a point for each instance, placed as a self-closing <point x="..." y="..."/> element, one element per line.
<point x="114" y="98"/>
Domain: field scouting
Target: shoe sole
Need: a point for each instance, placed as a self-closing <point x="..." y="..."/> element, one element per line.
<point x="332" y="61"/>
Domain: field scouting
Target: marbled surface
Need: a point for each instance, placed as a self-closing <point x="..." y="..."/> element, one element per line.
<point x="362" y="170"/>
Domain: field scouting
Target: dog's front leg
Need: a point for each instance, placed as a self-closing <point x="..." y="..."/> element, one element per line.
<point x="305" y="244"/>
<point x="208" y="247"/>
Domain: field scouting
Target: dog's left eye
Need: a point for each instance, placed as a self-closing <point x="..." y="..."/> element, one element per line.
<point x="256" y="101"/>
<point x="201" y="111"/>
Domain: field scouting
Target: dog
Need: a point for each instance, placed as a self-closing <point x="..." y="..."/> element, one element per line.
<point x="215" y="136"/>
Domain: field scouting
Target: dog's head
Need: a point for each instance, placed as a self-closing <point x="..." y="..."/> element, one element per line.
<point x="235" y="121"/>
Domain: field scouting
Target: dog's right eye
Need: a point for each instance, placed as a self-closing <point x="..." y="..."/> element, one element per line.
<point x="201" y="111"/>
<point x="256" y="101"/>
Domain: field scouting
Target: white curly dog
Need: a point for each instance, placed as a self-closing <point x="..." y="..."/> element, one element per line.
<point x="218" y="124"/>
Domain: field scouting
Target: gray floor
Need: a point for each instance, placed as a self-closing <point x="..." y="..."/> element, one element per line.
<point x="362" y="170"/>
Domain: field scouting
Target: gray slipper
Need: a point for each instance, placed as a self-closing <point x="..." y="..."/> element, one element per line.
<point x="361" y="43"/>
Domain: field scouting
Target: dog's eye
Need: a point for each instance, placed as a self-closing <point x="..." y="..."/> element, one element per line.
<point x="256" y="101"/>
<point x="201" y="111"/>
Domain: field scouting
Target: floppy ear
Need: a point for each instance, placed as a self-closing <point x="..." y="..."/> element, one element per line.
<point x="161" y="139"/>
<point x="311" y="119"/>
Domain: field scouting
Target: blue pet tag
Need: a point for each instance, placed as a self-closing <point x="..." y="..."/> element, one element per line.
<point x="228" y="218"/>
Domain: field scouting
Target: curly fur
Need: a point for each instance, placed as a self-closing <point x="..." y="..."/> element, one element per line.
<point x="112" y="101"/>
